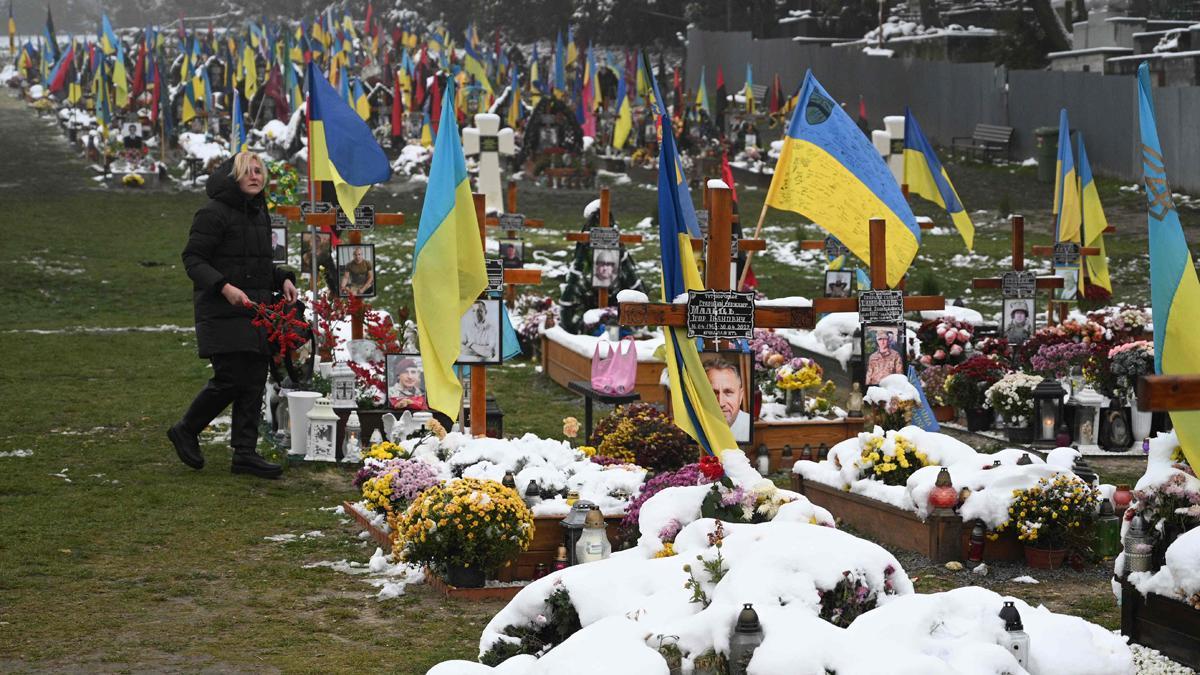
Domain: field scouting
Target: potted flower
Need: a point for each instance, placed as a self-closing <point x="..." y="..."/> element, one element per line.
<point x="944" y="341"/>
<point x="965" y="387"/>
<point x="1128" y="362"/>
<point x="642" y="434"/>
<point x="389" y="486"/>
<point x="796" y="375"/>
<point x="891" y="464"/>
<point x="1052" y="517"/>
<point x="464" y="530"/>
<point x="1012" y="397"/>
<point x="933" y="381"/>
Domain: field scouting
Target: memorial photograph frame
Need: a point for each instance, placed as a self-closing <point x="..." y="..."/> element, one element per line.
<point x="345" y="258"/>
<point x="1070" y="290"/>
<point x="606" y="257"/>
<point x="279" y="234"/>
<point x="481" y="341"/>
<point x="743" y="365"/>
<point x="835" y="280"/>
<point x="515" y="247"/>
<point x="898" y="346"/>
<point x="399" y="366"/>
<point x="1011" y="306"/>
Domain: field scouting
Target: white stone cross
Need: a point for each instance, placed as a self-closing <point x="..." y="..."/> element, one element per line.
<point x="489" y="141"/>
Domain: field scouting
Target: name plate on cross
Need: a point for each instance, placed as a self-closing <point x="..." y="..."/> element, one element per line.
<point x="495" y="275"/>
<point x="881" y="306"/>
<point x="364" y="218"/>
<point x="511" y="221"/>
<point x="834" y="247"/>
<point x="605" y="237"/>
<point x="1066" y="254"/>
<point x="278" y="220"/>
<point x="489" y="144"/>
<point x="720" y="315"/>
<point x="1018" y="284"/>
<point x="307" y="207"/>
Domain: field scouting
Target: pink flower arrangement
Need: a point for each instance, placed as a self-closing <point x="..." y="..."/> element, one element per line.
<point x="944" y="341"/>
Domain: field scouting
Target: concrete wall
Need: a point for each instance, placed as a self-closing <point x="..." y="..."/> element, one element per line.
<point x="951" y="98"/>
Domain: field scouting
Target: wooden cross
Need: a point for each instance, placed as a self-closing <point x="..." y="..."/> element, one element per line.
<point x="586" y="237"/>
<point x="1063" y="307"/>
<point x="748" y="246"/>
<point x="510" y="288"/>
<point x="479" y="372"/>
<point x="1164" y="393"/>
<point x="1018" y="261"/>
<point x="320" y="220"/>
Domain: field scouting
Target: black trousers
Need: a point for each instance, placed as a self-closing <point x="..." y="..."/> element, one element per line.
<point x="238" y="378"/>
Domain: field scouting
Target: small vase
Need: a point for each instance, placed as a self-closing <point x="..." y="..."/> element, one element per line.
<point x="1044" y="558"/>
<point x="979" y="419"/>
<point x="794" y="401"/>
<point x="1141" y="422"/>
<point x="464" y="577"/>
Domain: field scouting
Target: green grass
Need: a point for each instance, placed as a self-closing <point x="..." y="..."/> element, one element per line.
<point x="139" y="563"/>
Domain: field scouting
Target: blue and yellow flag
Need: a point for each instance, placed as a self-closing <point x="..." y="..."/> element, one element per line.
<point x="748" y="90"/>
<point x="1093" y="223"/>
<point x="702" y="93"/>
<point x="926" y="177"/>
<point x="238" y="133"/>
<point x="693" y="403"/>
<point x="1066" y="186"/>
<point x="624" y="123"/>
<point x="1174" y="289"/>
<point x="448" y="268"/>
<point x="341" y="147"/>
<point x="361" y="105"/>
<point x="514" y="113"/>
<point x="829" y="172"/>
<point x="107" y="38"/>
<point x="473" y="64"/>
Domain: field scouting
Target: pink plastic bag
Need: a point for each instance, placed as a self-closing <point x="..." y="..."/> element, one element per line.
<point x="616" y="374"/>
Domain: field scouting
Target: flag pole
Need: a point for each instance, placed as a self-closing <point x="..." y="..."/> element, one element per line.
<point x="750" y="254"/>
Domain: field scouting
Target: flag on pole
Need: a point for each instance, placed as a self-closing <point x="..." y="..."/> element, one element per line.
<point x="722" y="101"/>
<point x="108" y="39"/>
<point x="513" y="114"/>
<point x="560" y="68"/>
<point x="702" y="93"/>
<point x="238" y="135"/>
<point x="448" y="268"/>
<point x="48" y="33"/>
<point x="12" y="30"/>
<point x="829" y="172"/>
<point x="1092" y="224"/>
<point x="1066" y="186"/>
<point x="926" y="177"/>
<point x="922" y="415"/>
<point x="341" y="147"/>
<point x="624" y="123"/>
<point x="693" y="404"/>
<point x="120" y="77"/>
<point x="748" y="90"/>
<point x="361" y="105"/>
<point x="1174" y="289"/>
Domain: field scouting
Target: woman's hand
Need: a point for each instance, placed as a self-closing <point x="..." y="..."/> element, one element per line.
<point x="289" y="291"/>
<point x="236" y="296"/>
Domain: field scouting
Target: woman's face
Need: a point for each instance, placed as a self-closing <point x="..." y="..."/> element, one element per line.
<point x="253" y="180"/>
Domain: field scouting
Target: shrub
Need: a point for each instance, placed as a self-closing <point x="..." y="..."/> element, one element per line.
<point x="642" y="434"/>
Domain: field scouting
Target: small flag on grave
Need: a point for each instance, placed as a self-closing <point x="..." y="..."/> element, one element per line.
<point x="829" y="172"/>
<point x="1094" y="223"/>
<point x="692" y="401"/>
<point x="923" y="415"/>
<point x="1174" y="289"/>
<point x="624" y="123"/>
<point x="927" y="178"/>
<point x="1066" y="185"/>
<point x="341" y="147"/>
<point x="448" y="268"/>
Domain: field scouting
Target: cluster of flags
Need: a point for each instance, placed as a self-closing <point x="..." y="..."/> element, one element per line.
<point x="1079" y="216"/>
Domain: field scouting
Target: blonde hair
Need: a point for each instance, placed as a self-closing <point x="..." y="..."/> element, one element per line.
<point x="241" y="164"/>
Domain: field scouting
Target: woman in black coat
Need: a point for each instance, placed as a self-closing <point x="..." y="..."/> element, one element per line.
<point x="229" y="260"/>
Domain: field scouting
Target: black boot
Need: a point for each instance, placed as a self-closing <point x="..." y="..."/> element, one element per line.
<point x="187" y="446"/>
<point x="249" y="461"/>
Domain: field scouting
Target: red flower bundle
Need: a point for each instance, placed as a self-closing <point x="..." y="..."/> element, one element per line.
<point x="283" y="328"/>
<point x="710" y="466"/>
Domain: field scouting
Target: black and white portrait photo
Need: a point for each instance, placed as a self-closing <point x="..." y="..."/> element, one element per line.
<point x="480" y="333"/>
<point x="838" y="283"/>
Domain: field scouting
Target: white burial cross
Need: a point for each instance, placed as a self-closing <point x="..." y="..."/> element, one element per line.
<point x="489" y="141"/>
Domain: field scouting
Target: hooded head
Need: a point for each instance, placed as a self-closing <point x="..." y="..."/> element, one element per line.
<point x="223" y="187"/>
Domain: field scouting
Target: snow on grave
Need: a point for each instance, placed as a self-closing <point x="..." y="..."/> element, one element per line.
<point x="827" y="602"/>
<point x="900" y="514"/>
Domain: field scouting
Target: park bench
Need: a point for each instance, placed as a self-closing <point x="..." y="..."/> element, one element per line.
<point x="986" y="141"/>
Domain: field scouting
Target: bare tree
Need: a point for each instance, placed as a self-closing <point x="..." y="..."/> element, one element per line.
<point x="1052" y="26"/>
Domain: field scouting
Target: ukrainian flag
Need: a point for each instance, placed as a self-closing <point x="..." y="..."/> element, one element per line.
<point x="473" y="64"/>
<point x="108" y="39"/>
<point x="1174" y="289"/>
<point x="624" y="123"/>
<point x="1093" y="224"/>
<point x="693" y="403"/>
<point x="829" y="172"/>
<point x="427" y="134"/>
<point x="514" y="100"/>
<point x="120" y="77"/>
<point x="448" y="268"/>
<point x="927" y="178"/>
<point x="341" y="147"/>
<point x="238" y="139"/>
<point x="702" y="93"/>
<point x="361" y="105"/>
<point x="1066" y="186"/>
<point x="748" y="90"/>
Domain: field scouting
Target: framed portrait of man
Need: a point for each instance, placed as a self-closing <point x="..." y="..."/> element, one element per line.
<point x="279" y="245"/>
<point x="356" y="270"/>
<point x="838" y="283"/>
<point x="480" y="333"/>
<point x="1017" y="320"/>
<point x="730" y="375"/>
<point x="512" y="253"/>
<point x="605" y="263"/>
<point x="883" y="347"/>
<point x="406" y="382"/>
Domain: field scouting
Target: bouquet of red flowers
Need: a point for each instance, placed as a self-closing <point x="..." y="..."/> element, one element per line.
<point x="284" y="330"/>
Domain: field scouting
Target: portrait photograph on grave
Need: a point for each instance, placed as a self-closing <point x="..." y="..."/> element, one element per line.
<point x="324" y="257"/>
<point x="882" y="350"/>
<point x="406" y="382"/>
<point x="604" y="266"/>
<point x="729" y="374"/>
<point x="512" y="253"/>
<point x="838" y="283"/>
<point x="1017" y="319"/>
<point x="279" y="245"/>
<point x="1070" y="288"/>
<point x="356" y="270"/>
<point x="480" y="330"/>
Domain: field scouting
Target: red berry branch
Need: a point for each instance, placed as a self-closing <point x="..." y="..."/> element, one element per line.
<point x="281" y="323"/>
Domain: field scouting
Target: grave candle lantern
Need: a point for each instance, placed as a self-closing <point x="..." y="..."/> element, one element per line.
<point x="943" y="496"/>
<point x="1016" y="640"/>
<point x="342" y="386"/>
<point x="352" y="439"/>
<point x="322" y="430"/>
<point x="747" y="636"/>
<point x="1047" y="411"/>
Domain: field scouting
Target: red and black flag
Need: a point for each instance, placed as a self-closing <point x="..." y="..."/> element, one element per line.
<point x="721" y="102"/>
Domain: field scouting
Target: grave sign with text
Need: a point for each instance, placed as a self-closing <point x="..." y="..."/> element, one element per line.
<point x="881" y="306"/>
<point x="720" y="315"/>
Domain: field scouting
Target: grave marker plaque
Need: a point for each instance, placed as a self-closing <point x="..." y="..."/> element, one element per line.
<point x="364" y="218"/>
<point x="881" y="306"/>
<point x="307" y="207"/>
<point x="489" y="144"/>
<point x="834" y="247"/>
<point x="1018" y="284"/>
<point x="278" y="220"/>
<point x="512" y="221"/>
<point x="720" y="315"/>
<point x="1066" y="254"/>
<point x="495" y="274"/>
<point x="605" y="237"/>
